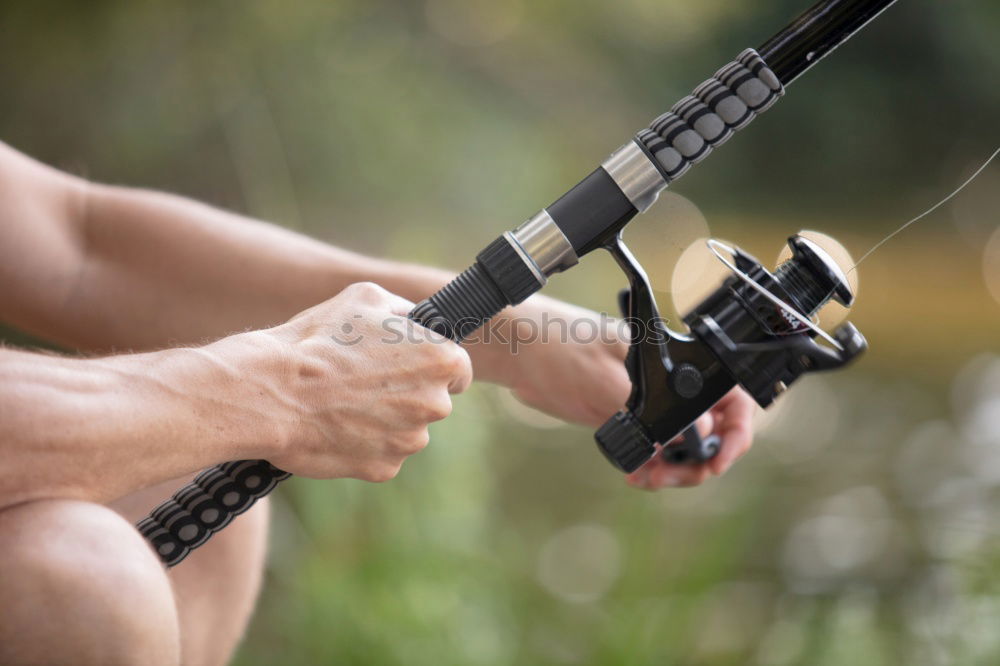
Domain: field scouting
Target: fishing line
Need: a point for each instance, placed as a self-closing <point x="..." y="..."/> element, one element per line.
<point x="929" y="210"/>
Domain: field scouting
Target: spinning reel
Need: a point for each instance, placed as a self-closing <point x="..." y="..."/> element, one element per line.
<point x="755" y="330"/>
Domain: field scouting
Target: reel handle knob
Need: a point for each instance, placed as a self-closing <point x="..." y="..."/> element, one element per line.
<point x="624" y="442"/>
<point x="851" y="339"/>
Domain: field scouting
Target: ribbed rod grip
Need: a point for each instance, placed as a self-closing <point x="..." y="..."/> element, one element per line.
<point x="206" y="505"/>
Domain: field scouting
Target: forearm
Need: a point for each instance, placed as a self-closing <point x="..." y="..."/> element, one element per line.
<point x="163" y="270"/>
<point x="100" y="268"/>
<point x="97" y="429"/>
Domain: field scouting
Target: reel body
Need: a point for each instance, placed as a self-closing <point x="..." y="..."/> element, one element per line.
<point x="754" y="331"/>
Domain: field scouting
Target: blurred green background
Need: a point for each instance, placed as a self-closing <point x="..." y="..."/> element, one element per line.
<point x="862" y="527"/>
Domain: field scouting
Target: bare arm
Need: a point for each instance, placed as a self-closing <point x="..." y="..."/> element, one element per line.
<point x="98" y="429"/>
<point x="135" y="269"/>
<point x="97" y="267"/>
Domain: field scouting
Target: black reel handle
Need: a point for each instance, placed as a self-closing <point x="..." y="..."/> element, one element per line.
<point x="217" y="495"/>
<point x="627" y="447"/>
<point x="693" y="449"/>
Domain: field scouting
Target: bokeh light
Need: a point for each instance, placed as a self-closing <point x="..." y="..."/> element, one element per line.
<point x="695" y="275"/>
<point x="991" y="263"/>
<point x="837" y="540"/>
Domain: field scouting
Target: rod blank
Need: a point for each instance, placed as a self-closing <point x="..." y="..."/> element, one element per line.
<point x="815" y="33"/>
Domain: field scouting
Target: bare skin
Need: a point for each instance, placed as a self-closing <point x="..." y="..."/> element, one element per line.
<point x="101" y="269"/>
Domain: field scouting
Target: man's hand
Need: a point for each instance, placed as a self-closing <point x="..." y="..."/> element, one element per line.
<point x="351" y="384"/>
<point x="577" y="373"/>
<point x="729" y="419"/>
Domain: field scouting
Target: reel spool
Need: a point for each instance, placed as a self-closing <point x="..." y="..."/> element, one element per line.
<point x="756" y="330"/>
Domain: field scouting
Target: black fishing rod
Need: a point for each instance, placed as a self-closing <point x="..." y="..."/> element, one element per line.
<point x="755" y="330"/>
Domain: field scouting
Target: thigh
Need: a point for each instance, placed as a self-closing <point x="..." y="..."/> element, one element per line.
<point x="79" y="586"/>
<point x="216" y="586"/>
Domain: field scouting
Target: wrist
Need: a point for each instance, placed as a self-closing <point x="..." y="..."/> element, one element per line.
<point x="491" y="349"/>
<point x="500" y="348"/>
<point x="199" y="405"/>
<point x="113" y="425"/>
<point x="241" y="413"/>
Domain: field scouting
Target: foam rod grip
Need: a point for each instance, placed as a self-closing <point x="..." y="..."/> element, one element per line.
<point x="206" y="505"/>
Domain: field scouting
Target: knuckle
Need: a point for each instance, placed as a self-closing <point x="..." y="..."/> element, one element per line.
<point x="312" y="372"/>
<point x="463" y="363"/>
<point x="381" y="472"/>
<point x="408" y="443"/>
<point x="455" y="361"/>
<point x="437" y="410"/>
<point x="367" y="291"/>
<point x="417" y="442"/>
<point x="696" y="478"/>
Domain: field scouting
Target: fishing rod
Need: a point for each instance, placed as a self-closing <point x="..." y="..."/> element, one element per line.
<point x="755" y="330"/>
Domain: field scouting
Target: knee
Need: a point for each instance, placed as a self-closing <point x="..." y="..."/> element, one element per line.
<point x="80" y="585"/>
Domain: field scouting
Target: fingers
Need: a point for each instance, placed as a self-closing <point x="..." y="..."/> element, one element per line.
<point x="657" y="473"/>
<point x="361" y="383"/>
<point x="665" y="475"/>
<point x="452" y="361"/>
<point x="734" y="416"/>
<point x="459" y="368"/>
<point x="731" y="419"/>
<point x="704" y="424"/>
